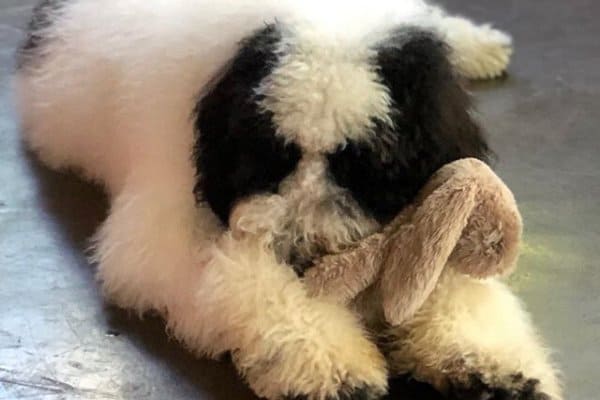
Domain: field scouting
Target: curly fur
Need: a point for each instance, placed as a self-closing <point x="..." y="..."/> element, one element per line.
<point x="112" y="89"/>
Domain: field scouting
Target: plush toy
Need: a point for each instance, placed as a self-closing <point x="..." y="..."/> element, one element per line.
<point x="465" y="218"/>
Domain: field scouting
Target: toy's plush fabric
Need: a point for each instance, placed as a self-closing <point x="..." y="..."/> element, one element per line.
<point x="465" y="218"/>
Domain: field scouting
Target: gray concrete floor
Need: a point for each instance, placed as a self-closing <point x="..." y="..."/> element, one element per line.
<point x="59" y="341"/>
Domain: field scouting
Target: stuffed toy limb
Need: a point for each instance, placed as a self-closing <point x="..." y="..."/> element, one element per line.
<point x="465" y="218"/>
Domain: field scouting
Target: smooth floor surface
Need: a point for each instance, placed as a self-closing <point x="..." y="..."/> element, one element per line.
<point x="59" y="341"/>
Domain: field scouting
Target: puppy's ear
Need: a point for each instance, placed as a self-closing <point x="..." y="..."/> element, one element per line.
<point x="416" y="251"/>
<point x="237" y="152"/>
<point x="432" y="125"/>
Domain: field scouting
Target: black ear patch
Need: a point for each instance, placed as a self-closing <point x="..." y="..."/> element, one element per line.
<point x="43" y="16"/>
<point x="432" y="126"/>
<point x="236" y="152"/>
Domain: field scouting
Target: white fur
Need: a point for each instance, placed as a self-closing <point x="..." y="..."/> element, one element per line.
<point x="470" y="326"/>
<point x="112" y="97"/>
<point x="309" y="213"/>
<point x="284" y="342"/>
<point x="323" y="93"/>
<point x="478" y="51"/>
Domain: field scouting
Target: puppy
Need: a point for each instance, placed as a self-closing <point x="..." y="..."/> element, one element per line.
<point x="306" y="125"/>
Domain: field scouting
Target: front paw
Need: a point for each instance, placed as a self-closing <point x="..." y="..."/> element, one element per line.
<point x="360" y="393"/>
<point x="300" y="368"/>
<point x="513" y="387"/>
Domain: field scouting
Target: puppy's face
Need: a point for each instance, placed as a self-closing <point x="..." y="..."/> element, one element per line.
<point x="318" y="143"/>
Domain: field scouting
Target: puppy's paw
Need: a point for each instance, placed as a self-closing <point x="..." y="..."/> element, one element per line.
<point x="479" y="52"/>
<point x="474" y="350"/>
<point x="314" y="367"/>
<point x="297" y="379"/>
<point x="362" y="393"/>
<point x="513" y="387"/>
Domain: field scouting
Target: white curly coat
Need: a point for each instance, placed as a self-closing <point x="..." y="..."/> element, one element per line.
<point x="112" y="97"/>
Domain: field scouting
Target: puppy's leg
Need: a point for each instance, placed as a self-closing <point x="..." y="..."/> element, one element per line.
<point x="149" y="248"/>
<point x="477" y="51"/>
<point x="286" y="344"/>
<point x="66" y="117"/>
<point x="473" y="340"/>
<point x="155" y="252"/>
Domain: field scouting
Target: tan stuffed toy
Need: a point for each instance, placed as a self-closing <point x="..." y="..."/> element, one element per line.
<point x="464" y="218"/>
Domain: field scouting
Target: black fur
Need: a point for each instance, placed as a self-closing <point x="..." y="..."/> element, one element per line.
<point x="361" y="393"/>
<point x="406" y="387"/>
<point x="236" y="148"/>
<point x="432" y="126"/>
<point x="476" y="389"/>
<point x="42" y="18"/>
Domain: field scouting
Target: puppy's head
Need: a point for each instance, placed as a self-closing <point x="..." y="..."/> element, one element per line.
<point x="337" y="135"/>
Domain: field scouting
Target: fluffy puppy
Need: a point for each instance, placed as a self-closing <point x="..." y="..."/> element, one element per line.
<point x="321" y="120"/>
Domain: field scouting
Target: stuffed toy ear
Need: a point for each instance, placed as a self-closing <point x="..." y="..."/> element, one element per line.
<point x="465" y="218"/>
<point x="416" y="252"/>
<point x="489" y="244"/>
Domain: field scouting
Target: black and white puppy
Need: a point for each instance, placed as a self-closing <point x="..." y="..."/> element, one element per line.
<point x="306" y="125"/>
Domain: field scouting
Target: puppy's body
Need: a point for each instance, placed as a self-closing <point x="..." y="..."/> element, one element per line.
<point x="308" y="135"/>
